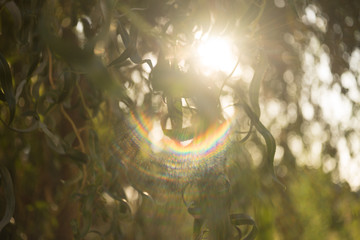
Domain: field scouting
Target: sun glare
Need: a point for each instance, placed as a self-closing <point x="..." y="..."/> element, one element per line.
<point x="216" y="54"/>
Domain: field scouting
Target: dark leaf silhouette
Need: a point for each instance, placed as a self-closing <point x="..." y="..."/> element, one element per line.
<point x="7" y="185"/>
<point x="7" y="90"/>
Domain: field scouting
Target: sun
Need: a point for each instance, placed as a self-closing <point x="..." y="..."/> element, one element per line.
<point x="216" y="54"/>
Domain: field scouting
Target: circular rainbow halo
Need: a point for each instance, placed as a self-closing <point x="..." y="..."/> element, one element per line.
<point x="163" y="158"/>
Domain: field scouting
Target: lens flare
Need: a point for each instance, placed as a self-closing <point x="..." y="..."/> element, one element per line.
<point x="172" y="160"/>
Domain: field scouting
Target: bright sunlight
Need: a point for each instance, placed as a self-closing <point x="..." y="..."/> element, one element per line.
<point x="216" y="54"/>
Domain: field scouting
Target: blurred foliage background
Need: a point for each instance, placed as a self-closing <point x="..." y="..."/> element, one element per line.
<point x="93" y="92"/>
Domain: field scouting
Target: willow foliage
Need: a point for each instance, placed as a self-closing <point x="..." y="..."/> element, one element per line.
<point x="86" y="87"/>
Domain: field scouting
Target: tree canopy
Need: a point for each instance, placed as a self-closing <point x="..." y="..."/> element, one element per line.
<point x="166" y="119"/>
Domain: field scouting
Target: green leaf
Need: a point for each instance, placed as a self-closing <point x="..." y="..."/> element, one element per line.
<point x="94" y="145"/>
<point x="130" y="43"/>
<point x="54" y="138"/>
<point x="243" y="219"/>
<point x="268" y="137"/>
<point x="19" y="89"/>
<point x="33" y="66"/>
<point x="87" y="218"/>
<point x="7" y="93"/>
<point x="124" y="209"/>
<point x="15" y="13"/>
<point x="135" y="58"/>
<point x="196" y="212"/>
<point x="175" y="113"/>
<point x="80" y="59"/>
<point x="34" y="126"/>
<point x="183" y="134"/>
<point x="77" y="155"/>
<point x="130" y="51"/>
<point x="69" y="82"/>
<point x="122" y="58"/>
<point x="6" y="182"/>
<point x="254" y="88"/>
<point x="89" y="33"/>
<point x="124" y="35"/>
<point x="180" y="134"/>
<point x="148" y="62"/>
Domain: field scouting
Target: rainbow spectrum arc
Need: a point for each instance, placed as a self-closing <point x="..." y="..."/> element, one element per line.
<point x="176" y="161"/>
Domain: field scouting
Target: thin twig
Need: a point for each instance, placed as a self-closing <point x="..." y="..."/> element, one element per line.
<point x="82" y="146"/>
<point x="66" y="115"/>
<point x="83" y="100"/>
<point x="50" y="69"/>
<point x="229" y="76"/>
